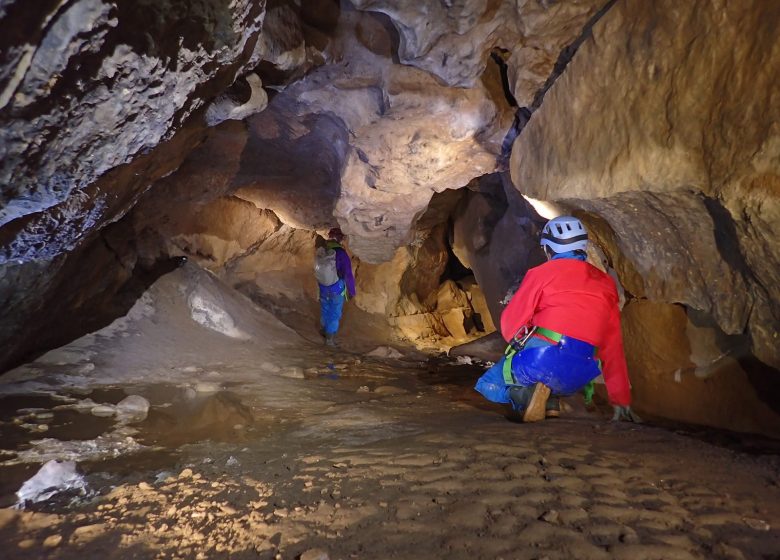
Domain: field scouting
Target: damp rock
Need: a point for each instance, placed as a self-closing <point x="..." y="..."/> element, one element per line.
<point x="385" y="352"/>
<point x="133" y="407"/>
<point x="85" y="368"/>
<point x="52" y="541"/>
<point x="207" y="387"/>
<point x="315" y="554"/>
<point x="52" y="478"/>
<point x="103" y="410"/>
<point x="270" y="367"/>
<point x="389" y="390"/>
<point x="293" y="373"/>
<point x="757" y="524"/>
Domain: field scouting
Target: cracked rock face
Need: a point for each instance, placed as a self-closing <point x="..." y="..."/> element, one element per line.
<point x="452" y="40"/>
<point x="82" y="91"/>
<point x="495" y="234"/>
<point x="408" y="135"/>
<point x="665" y="125"/>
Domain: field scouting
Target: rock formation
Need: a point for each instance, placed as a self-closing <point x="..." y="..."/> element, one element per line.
<point x="662" y="126"/>
<point x="232" y="133"/>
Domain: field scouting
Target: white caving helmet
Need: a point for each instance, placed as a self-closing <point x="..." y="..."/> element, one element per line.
<point x="565" y="233"/>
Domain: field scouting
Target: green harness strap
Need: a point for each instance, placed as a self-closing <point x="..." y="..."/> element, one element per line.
<point x="547" y="333"/>
<point x="556" y="337"/>
<point x="506" y="369"/>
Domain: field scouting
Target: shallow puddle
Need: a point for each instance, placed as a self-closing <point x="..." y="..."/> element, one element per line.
<point x="24" y="418"/>
<point x="178" y="415"/>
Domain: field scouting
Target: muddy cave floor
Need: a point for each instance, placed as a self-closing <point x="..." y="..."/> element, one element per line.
<point x="334" y="454"/>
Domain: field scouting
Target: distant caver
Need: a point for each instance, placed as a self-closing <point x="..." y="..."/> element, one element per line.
<point x="333" y="270"/>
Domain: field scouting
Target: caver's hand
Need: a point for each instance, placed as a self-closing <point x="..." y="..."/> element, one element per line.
<point x="625" y="413"/>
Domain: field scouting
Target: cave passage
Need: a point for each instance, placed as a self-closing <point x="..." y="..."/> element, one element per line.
<point x="169" y="169"/>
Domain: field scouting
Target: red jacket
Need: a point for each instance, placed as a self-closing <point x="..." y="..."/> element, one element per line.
<point x="574" y="298"/>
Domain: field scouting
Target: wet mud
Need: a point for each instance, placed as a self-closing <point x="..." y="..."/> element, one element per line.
<point x="381" y="460"/>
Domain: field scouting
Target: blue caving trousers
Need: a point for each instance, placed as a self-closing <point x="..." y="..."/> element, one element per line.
<point x="331" y="306"/>
<point x="564" y="367"/>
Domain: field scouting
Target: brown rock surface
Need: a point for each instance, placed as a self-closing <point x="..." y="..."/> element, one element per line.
<point x="693" y="373"/>
<point x="495" y="234"/>
<point x="667" y="112"/>
<point x="658" y="128"/>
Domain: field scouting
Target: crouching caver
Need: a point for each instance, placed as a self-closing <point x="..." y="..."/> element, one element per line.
<point x="563" y="329"/>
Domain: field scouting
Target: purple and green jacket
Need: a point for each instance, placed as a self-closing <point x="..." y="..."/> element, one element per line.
<point x="343" y="267"/>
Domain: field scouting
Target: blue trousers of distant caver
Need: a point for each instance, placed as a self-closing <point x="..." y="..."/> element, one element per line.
<point x="331" y="306"/>
<point x="565" y="368"/>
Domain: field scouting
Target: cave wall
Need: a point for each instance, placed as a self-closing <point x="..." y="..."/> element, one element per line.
<point x="694" y="372"/>
<point x="232" y="132"/>
<point x="259" y="241"/>
<point x="93" y="113"/>
<point x="665" y="125"/>
<point x="662" y="135"/>
<point x="82" y="92"/>
<point x="496" y="234"/>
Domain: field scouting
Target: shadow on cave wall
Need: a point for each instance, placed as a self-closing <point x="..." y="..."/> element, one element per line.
<point x="94" y="285"/>
<point x="293" y="164"/>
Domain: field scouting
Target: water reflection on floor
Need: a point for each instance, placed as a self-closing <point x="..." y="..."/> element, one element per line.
<point x="178" y="415"/>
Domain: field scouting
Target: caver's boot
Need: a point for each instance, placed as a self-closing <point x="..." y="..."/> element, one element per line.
<point x="531" y="401"/>
<point x="330" y="339"/>
<point x="553" y="408"/>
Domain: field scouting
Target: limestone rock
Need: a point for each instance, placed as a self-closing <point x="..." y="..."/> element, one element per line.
<point x="103" y="410"/>
<point x="476" y="297"/>
<point x="670" y="241"/>
<point x="226" y="108"/>
<point x="385" y="352"/>
<point x="453" y="40"/>
<point x="495" y="234"/>
<point x="400" y="136"/>
<point x="674" y="100"/>
<point x="315" y="554"/>
<point x="53" y="110"/>
<point x="52" y="541"/>
<point x="692" y="373"/>
<point x="293" y="373"/>
<point x="133" y="407"/>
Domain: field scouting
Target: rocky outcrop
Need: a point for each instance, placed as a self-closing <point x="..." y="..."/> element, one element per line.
<point x="226" y="107"/>
<point x="409" y="135"/>
<point x="452" y="40"/>
<point x="272" y="262"/>
<point x="92" y="113"/>
<point x="82" y="91"/>
<point x="233" y="133"/>
<point x="495" y="234"/>
<point x="685" y="368"/>
<point x="664" y="126"/>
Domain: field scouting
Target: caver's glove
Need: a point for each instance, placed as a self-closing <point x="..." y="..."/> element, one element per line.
<point x="625" y="413"/>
